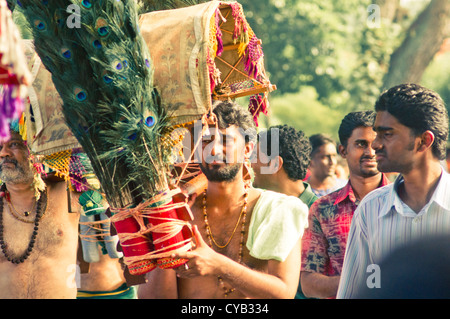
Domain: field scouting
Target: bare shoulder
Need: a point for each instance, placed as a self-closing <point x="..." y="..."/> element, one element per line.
<point x="254" y="193"/>
<point x="253" y="196"/>
<point x="56" y="187"/>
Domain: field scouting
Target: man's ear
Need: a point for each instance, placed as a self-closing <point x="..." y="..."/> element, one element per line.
<point x="426" y="141"/>
<point x="342" y="150"/>
<point x="276" y="164"/>
<point x="248" y="151"/>
<point x="280" y="161"/>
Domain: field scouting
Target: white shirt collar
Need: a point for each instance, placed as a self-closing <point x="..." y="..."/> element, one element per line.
<point x="441" y="196"/>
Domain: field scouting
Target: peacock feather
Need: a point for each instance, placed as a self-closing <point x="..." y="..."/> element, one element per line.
<point x="102" y="69"/>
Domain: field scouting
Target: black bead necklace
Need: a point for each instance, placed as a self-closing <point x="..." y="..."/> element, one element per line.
<point x="40" y="209"/>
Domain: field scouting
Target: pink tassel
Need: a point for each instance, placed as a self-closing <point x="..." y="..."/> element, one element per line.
<point x="39" y="168"/>
<point x="219" y="46"/>
<point x="218" y="35"/>
<point x="247" y="63"/>
<point x="212" y="83"/>
<point x="255" y="119"/>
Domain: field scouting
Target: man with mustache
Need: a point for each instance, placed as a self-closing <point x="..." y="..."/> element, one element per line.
<point x="324" y="242"/>
<point x="247" y="240"/>
<point x="38" y="237"/>
<point x="412" y="130"/>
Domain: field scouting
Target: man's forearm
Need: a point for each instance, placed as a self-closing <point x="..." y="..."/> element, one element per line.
<point x="315" y="285"/>
<point x="281" y="281"/>
<point x="253" y="283"/>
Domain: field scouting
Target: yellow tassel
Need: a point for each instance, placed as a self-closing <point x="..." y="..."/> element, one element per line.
<point x="23" y="127"/>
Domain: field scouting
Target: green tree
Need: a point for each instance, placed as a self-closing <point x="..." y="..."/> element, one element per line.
<point x="345" y="50"/>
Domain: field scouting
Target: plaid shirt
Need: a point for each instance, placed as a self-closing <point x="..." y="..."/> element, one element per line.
<point x="324" y="241"/>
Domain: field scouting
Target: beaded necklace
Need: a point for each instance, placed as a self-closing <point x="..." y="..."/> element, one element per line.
<point x="212" y="241"/>
<point x="41" y="206"/>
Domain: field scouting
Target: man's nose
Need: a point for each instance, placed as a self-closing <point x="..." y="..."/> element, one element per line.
<point x="332" y="160"/>
<point x="369" y="151"/>
<point x="217" y="147"/>
<point x="376" y="144"/>
<point x="4" y="151"/>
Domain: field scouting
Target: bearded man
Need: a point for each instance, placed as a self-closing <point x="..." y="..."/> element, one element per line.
<point x="38" y="236"/>
<point x="247" y="240"/>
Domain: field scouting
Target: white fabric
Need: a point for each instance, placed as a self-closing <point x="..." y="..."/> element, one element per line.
<point x="277" y="223"/>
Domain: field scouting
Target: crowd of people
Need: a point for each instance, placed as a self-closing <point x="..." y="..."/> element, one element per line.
<point x="300" y="228"/>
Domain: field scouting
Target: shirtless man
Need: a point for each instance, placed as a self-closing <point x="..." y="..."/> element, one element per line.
<point x="105" y="280"/>
<point x="45" y="269"/>
<point x="261" y="262"/>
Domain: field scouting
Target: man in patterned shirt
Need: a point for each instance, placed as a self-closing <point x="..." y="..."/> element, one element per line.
<point x="323" y="244"/>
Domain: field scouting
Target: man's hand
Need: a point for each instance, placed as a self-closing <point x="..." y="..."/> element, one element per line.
<point x="202" y="260"/>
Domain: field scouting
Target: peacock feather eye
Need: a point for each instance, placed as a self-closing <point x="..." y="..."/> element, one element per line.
<point x="80" y="94"/>
<point x="107" y="79"/>
<point x="40" y="25"/>
<point x="97" y="44"/>
<point x="87" y="4"/>
<point x="102" y="27"/>
<point x="103" y="31"/>
<point x="119" y="66"/>
<point x="150" y="121"/>
<point x="66" y="53"/>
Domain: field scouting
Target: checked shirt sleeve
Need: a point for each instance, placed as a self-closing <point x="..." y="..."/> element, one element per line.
<point x="357" y="258"/>
<point x="314" y="244"/>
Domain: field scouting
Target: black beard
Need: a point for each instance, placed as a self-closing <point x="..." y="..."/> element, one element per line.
<point x="222" y="174"/>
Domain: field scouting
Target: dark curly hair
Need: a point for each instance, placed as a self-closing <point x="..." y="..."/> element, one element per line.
<point x="293" y="147"/>
<point x="353" y="120"/>
<point x="230" y="113"/>
<point x="420" y="109"/>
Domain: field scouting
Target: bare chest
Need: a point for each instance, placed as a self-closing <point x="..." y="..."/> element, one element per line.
<point x="228" y="235"/>
<point x="55" y="229"/>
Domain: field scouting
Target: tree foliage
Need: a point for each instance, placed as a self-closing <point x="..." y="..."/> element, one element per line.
<point x="341" y="49"/>
<point x="325" y="44"/>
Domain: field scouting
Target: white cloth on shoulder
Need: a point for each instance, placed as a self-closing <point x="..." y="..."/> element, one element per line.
<point x="276" y="224"/>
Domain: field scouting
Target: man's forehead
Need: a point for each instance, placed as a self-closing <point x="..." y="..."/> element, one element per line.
<point x="327" y="148"/>
<point x="385" y="120"/>
<point x="362" y="133"/>
<point x="230" y="130"/>
<point x="15" y="137"/>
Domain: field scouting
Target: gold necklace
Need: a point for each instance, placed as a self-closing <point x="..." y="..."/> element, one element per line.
<point x="208" y="228"/>
<point x="16" y="214"/>
<point x="242" y="215"/>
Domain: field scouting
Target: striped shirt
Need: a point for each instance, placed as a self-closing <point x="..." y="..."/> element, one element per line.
<point x="382" y="223"/>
